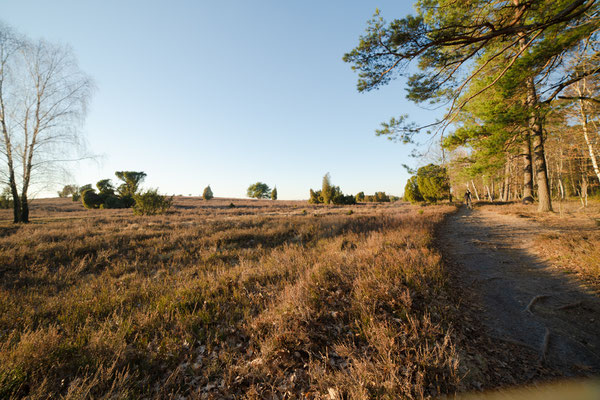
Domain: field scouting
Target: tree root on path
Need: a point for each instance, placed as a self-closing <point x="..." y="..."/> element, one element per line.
<point x="512" y="341"/>
<point x="532" y="302"/>
<point x="544" y="348"/>
<point x="571" y="305"/>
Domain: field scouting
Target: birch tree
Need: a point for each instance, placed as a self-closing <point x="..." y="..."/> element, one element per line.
<point x="43" y="99"/>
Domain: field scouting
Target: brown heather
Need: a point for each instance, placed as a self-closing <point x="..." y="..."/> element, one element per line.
<point x="260" y="300"/>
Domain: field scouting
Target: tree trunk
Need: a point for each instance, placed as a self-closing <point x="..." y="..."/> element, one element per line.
<point x="24" y="209"/>
<point x="490" y="198"/>
<point x="475" y="190"/>
<point x="583" y="191"/>
<point x="506" y="185"/>
<point x="584" y="125"/>
<point x="539" y="158"/>
<point x="527" y="170"/>
<point x="12" y="182"/>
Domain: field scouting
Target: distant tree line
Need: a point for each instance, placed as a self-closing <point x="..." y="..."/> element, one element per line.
<point x="126" y="195"/>
<point x="378" y="197"/>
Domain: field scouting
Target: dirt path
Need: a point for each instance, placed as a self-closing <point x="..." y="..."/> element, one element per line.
<point x="491" y="252"/>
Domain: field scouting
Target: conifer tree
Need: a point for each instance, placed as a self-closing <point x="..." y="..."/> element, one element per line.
<point x="207" y="194"/>
<point x="274" y="193"/>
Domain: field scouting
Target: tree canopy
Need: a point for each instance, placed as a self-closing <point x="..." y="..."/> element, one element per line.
<point x="259" y="190"/>
<point x="505" y="54"/>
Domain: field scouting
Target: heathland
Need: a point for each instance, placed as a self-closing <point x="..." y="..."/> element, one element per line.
<point x="233" y="298"/>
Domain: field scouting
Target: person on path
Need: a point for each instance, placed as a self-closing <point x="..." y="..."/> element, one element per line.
<point x="468" y="199"/>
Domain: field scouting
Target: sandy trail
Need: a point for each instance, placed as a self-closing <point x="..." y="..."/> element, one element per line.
<point x="492" y="253"/>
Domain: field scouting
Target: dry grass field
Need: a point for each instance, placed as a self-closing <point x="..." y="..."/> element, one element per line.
<point x="260" y="300"/>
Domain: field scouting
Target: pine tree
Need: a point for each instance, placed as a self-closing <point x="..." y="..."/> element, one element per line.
<point x="327" y="189"/>
<point x="274" y="193"/>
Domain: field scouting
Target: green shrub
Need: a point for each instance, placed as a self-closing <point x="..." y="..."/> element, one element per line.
<point x="151" y="203"/>
<point x="105" y="187"/>
<point x="411" y="191"/>
<point x="68" y="190"/>
<point x="315" y="197"/>
<point x="259" y="190"/>
<point x="330" y="194"/>
<point x="6" y="200"/>
<point x="381" y="197"/>
<point x="360" y="196"/>
<point x="340" y="198"/>
<point x="112" y="201"/>
<point x="378" y="197"/>
<point x="131" y="184"/>
<point x="77" y="195"/>
<point x="207" y="194"/>
<point x="433" y="182"/>
<point x="91" y="199"/>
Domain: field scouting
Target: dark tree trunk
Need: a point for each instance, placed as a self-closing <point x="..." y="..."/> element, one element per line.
<point x="24" y="209"/>
<point x="16" y="200"/>
<point x="527" y="170"/>
<point x="539" y="157"/>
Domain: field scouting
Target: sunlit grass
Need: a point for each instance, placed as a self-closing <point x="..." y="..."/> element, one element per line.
<point x="212" y="301"/>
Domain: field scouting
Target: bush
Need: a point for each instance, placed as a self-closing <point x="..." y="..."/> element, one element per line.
<point x="378" y="197"/>
<point x="151" y="203"/>
<point x="105" y="187"/>
<point x="433" y="182"/>
<point x="330" y="194"/>
<point x="274" y="193"/>
<point x="77" y="195"/>
<point x="411" y="191"/>
<point x="112" y="201"/>
<point x="90" y="199"/>
<point x="340" y="198"/>
<point x="131" y="183"/>
<point x="259" y="190"/>
<point x="68" y="190"/>
<point x="315" y="197"/>
<point x="381" y="197"/>
<point x="6" y="199"/>
<point x="337" y="197"/>
<point x="208" y="193"/>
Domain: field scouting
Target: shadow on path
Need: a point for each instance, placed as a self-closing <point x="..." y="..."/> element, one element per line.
<point x="524" y="301"/>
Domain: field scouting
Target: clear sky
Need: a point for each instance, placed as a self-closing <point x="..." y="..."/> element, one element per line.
<point x="228" y="93"/>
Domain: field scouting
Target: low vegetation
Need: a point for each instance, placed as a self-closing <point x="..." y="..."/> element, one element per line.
<point x="330" y="194"/>
<point x="215" y="301"/>
<point x="151" y="202"/>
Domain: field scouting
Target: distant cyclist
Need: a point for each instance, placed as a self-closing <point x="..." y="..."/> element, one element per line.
<point x="469" y="199"/>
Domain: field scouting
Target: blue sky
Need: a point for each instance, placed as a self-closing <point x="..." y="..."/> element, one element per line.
<point x="228" y="93"/>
